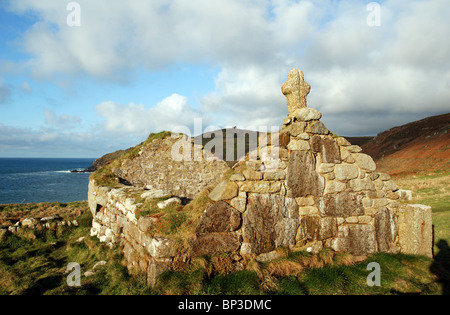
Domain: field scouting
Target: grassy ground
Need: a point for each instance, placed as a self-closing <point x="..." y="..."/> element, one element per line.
<point x="35" y="262"/>
<point x="432" y="190"/>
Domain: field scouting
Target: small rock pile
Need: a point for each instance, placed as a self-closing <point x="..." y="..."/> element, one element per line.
<point x="49" y="223"/>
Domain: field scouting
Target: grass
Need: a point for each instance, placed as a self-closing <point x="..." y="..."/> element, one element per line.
<point x="34" y="262"/>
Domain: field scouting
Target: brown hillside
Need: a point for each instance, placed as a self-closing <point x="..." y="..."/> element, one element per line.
<point x="420" y="146"/>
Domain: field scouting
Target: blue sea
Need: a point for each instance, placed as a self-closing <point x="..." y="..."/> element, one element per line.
<point x="29" y="180"/>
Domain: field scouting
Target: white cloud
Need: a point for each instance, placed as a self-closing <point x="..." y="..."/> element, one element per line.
<point x="138" y="120"/>
<point x="246" y="96"/>
<point x="398" y="70"/>
<point x="48" y="142"/>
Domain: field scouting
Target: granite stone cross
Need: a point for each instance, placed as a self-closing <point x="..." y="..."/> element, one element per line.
<point x="295" y="89"/>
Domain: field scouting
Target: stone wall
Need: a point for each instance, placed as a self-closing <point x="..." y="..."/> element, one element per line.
<point x="304" y="188"/>
<point x="173" y="164"/>
<point x="322" y="192"/>
<point x="115" y="222"/>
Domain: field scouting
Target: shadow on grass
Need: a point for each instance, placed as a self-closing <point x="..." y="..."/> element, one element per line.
<point x="44" y="284"/>
<point x="441" y="266"/>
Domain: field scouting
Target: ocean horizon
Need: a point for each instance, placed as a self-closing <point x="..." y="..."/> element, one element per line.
<point x="34" y="180"/>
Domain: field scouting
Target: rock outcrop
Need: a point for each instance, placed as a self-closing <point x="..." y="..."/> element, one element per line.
<point x="305" y="188"/>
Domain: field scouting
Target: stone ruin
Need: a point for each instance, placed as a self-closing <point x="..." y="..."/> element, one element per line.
<point x="305" y="189"/>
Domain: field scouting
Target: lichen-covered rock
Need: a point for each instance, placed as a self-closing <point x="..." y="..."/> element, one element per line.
<point x="160" y="247"/>
<point x="415" y="230"/>
<point x="342" y="204"/>
<point x="307" y="114"/>
<point x="298" y="145"/>
<point x="356" y="239"/>
<point x="386" y="229"/>
<point x="219" y="217"/>
<point x="313" y="228"/>
<point x="225" y="190"/>
<point x="154" y="269"/>
<point x="361" y="184"/>
<point x="270" y="221"/>
<point x="297" y="128"/>
<point x="317" y="127"/>
<point x="261" y="187"/>
<point x="211" y="244"/>
<point x="346" y="171"/>
<point x="302" y="178"/>
<point x="327" y="148"/>
<point x="365" y="161"/>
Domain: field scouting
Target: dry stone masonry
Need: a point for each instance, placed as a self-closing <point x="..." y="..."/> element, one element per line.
<point x="307" y="189"/>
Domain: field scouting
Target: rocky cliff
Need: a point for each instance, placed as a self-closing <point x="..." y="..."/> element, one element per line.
<point x="302" y="188"/>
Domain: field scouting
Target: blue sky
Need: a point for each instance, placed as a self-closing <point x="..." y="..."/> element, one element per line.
<point x="131" y="68"/>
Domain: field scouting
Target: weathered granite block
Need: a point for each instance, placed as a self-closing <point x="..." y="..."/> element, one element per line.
<point x="327" y="148"/>
<point x="219" y="217"/>
<point x="356" y="239"/>
<point x="302" y="178"/>
<point x="270" y="221"/>
<point x="386" y="229"/>
<point x="415" y="230"/>
<point x="343" y="204"/>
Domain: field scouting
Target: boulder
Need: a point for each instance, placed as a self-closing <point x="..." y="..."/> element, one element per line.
<point x="297" y="128"/>
<point x="283" y="139"/>
<point x="239" y="203"/>
<point x="404" y="194"/>
<point x="361" y="184"/>
<point x="160" y="247"/>
<point x="30" y="222"/>
<point x="51" y="218"/>
<point x="237" y="177"/>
